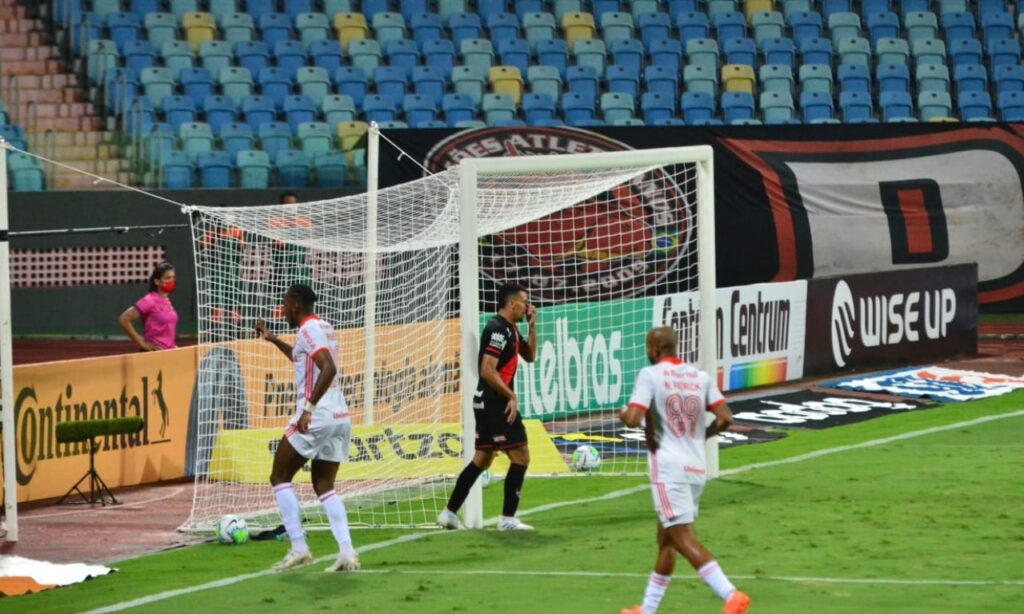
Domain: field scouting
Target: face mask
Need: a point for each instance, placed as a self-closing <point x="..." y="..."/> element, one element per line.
<point x="167" y="286"/>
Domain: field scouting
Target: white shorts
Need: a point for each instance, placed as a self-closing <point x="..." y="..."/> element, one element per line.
<point x="676" y="502"/>
<point x="328" y="442"/>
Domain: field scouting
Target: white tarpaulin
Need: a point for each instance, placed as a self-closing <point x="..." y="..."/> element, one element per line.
<point x="49" y="574"/>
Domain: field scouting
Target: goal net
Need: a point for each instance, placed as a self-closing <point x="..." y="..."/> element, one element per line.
<point x="605" y="244"/>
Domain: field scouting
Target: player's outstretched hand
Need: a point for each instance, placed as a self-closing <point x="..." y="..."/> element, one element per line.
<point x="512" y="410"/>
<point x="261" y="329"/>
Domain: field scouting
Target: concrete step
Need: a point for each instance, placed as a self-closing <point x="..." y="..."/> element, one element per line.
<point x="33" y="67"/>
<point x="68" y="153"/>
<point x="74" y="138"/>
<point x="9" y="24"/>
<point x="78" y="181"/>
<point x="53" y="110"/>
<point x="89" y="123"/>
<point x="13" y="12"/>
<point x="28" y="38"/>
<point x="49" y="81"/>
<point x="64" y="95"/>
<point x="25" y="50"/>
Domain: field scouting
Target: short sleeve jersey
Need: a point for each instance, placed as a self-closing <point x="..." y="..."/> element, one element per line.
<point x="159" y="320"/>
<point x="316" y="336"/>
<point x="675" y="397"/>
<point x="501" y="340"/>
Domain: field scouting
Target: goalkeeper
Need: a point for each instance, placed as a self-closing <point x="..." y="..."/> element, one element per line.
<point x="496" y="408"/>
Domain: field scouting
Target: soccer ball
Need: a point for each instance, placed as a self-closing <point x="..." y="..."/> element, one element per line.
<point x="586" y="458"/>
<point x="485" y="478"/>
<point x="232" y="530"/>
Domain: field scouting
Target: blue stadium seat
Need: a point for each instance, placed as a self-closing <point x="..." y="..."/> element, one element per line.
<point x="121" y="89"/>
<point x="157" y="82"/>
<point x="236" y="137"/>
<point x="661" y="80"/>
<point x="538" y="108"/>
<point x="298" y="110"/>
<point x="828" y="7"/>
<point x="855" y="106"/>
<point x="692" y="25"/>
<point x="892" y="51"/>
<point x="920" y="25"/>
<point x="545" y="80"/>
<point x="815" y="78"/>
<point x="140" y="8"/>
<point x="974" y="106"/>
<point x="553" y="53"/>
<point x="577" y="108"/>
<point x="317" y="138"/>
<point x="654" y="26"/>
<point x="440" y="55"/>
<point x="816" y="51"/>
<point x="623" y="80"/>
<point x="218" y="110"/>
<point x="196" y="138"/>
<point x="656" y="106"/>
<point x="252" y="55"/>
<point x="996" y="25"/>
<point x="856" y="50"/>
<point x="667" y="53"/>
<point x="102" y="56"/>
<point x="275" y="83"/>
<point x="292" y="169"/>
<point x="697" y="106"/>
<point x="740" y="51"/>
<point x="477" y="53"/>
<point x="766" y="25"/>
<point x="779" y="51"/>
<point x="583" y="80"/>
<point x="161" y="27"/>
<point x="426" y="27"/>
<point x="816" y="106"/>
<point x="592" y="52"/>
<point x="932" y="78"/>
<point x="237" y="27"/>
<point x="275" y="137"/>
<point x="326" y="54"/>
<point x="139" y="55"/>
<point x="338" y="109"/>
<point x="844" y="25"/>
<point x="259" y="8"/>
<point x="469" y="81"/>
<point x="458" y="108"/>
<point x="178" y="110"/>
<point x="932" y="105"/>
<point x="365" y="54"/>
<point x="1008" y="78"/>
<point x="700" y="79"/>
<point x="419" y="109"/>
<point x="777" y="107"/>
<point x="177" y="56"/>
<point x="523" y="7"/>
<point x="427" y="81"/>
<point x="498" y="108"/>
<point x="123" y="28"/>
<point x="882" y="25"/>
<point x="196" y="83"/>
<point x="1004" y="52"/>
<point x="702" y="52"/>
<point x="516" y="53"/>
<point x="805" y="25"/>
<point x="372" y="8"/>
<point x="215" y="55"/>
<point x="1011" y="106"/>
<point x="412" y="8"/>
<point x="893" y="78"/>
<point x="176" y="171"/>
<point x="403" y="54"/>
<point x="331" y="170"/>
<point x="737" y="106"/>
<point x="289" y="55"/>
<point x="352" y="81"/>
<point x="729" y="25"/>
<point x="776" y="78"/>
<point x="215" y="170"/>
<point x="388" y="26"/>
<point x="854" y="78"/>
<point x="971" y="78"/>
<point x="275" y="28"/>
<point x="895" y="105"/>
<point x="958" y="25"/>
<point x="391" y="81"/>
<point x="258" y="110"/>
<point x="464" y="26"/>
<point x="315" y="82"/>
<point x="628" y="53"/>
<point x="502" y="27"/>
<point x="378" y="108"/>
<point x="965" y="51"/>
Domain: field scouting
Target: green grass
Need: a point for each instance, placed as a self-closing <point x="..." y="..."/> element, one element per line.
<point x="948" y="505"/>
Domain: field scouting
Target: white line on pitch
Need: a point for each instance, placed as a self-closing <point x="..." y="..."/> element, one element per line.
<point x="686" y="578"/>
<point x="134" y="603"/>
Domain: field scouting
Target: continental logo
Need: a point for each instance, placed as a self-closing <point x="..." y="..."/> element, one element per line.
<point x="38" y="411"/>
<point x="614" y="245"/>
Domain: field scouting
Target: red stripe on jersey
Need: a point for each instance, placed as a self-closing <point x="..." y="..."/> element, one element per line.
<point x="508" y="371"/>
<point x="309" y="377"/>
<point x="322" y="348"/>
<point x="639" y="406"/>
<point x="717" y="403"/>
<point x="494" y="351"/>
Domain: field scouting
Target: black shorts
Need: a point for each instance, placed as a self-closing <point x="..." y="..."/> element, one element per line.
<point x="493" y="432"/>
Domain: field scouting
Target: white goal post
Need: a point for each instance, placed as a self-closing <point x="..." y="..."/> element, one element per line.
<point x="471" y="170"/>
<point x="407" y="275"/>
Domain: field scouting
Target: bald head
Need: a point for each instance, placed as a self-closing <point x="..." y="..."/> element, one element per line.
<point x="661" y="343"/>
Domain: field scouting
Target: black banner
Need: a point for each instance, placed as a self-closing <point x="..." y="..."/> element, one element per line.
<point x="897" y="317"/>
<point x="803" y="202"/>
<point x="809" y="409"/>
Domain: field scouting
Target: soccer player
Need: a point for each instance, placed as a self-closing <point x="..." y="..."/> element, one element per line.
<point x="673" y="396"/>
<point x="318" y="432"/>
<point x="496" y="408"/>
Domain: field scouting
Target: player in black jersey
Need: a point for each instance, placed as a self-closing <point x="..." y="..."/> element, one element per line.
<point x="495" y="406"/>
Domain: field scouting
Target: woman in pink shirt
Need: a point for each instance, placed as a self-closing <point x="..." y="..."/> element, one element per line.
<point x="159" y="319"/>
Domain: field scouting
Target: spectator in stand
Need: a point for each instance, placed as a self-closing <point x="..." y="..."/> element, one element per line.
<point x="159" y="319"/>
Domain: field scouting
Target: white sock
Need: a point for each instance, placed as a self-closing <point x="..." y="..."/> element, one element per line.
<point x="715" y="578"/>
<point x="334" y="507"/>
<point x="657" y="584"/>
<point x="288" y="503"/>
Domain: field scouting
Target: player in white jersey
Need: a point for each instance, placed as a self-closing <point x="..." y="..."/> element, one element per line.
<point x="670" y="399"/>
<point x="319" y="430"/>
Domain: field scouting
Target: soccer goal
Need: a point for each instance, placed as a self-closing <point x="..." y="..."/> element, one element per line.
<point x="607" y="244"/>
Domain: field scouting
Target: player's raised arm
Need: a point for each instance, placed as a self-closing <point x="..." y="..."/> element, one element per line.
<point x="262" y="331"/>
<point x="528" y="350"/>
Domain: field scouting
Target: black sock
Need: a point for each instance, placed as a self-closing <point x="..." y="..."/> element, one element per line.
<point x="462" y="486"/>
<point x="513" y="484"/>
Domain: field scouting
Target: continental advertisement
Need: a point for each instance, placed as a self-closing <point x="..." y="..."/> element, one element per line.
<point x="153" y="386"/>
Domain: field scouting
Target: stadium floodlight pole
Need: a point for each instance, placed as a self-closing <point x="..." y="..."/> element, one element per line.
<point x="706" y="281"/>
<point x="7" y="361"/>
<point x="370" y="278"/>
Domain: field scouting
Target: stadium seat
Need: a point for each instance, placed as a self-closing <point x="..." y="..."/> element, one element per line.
<point x="372" y="8"/>
<point x="740" y="51"/>
<point x="139" y="55"/>
<point x="235" y="83"/>
<point x="932" y="78"/>
<point x="215" y="55"/>
<point x="697" y="106"/>
<point x="252" y="55"/>
<point x="515" y="53"/>
<point x="315" y="82"/>
<point x="1011" y="106"/>
<point x="692" y="25"/>
<point x="628" y="53"/>
<point x="298" y="110"/>
<point x="920" y="26"/>
<point x="895" y="105"/>
<point x="776" y="78"/>
<point x="702" y="52"/>
<point x="177" y="7"/>
<point x="578" y="27"/>
<point x="426" y="27"/>
<point x="259" y="8"/>
<point x="317" y="138"/>
<point x="220" y="110"/>
<point x="737" y="106"/>
<point x="971" y="78"/>
<point x="312" y="27"/>
<point x="892" y="51"/>
<point x="616" y="106"/>
<point x="661" y="80"/>
<point x="854" y="51"/>
<point x="656" y="106"/>
<point x="215" y="170"/>
<point x="1004" y="52"/>
<point x="538" y="108"/>
<point x="779" y="51"/>
<point x="816" y="51"/>
<point x="120" y="89"/>
<point x="388" y="26"/>
<point x="448" y="7"/>
<point x="577" y="108"/>
<point x="700" y="79"/>
<point x="440" y="55"/>
<point x="844" y="25"/>
<point x="502" y="27"/>
<point x="562" y="7"/>
<point x="390" y="81"/>
<point x="958" y="25"/>
<point x="553" y="53"/>
<point x="464" y="26"/>
<point x="353" y="82"/>
<point x="477" y="53"/>
<point x="738" y="78"/>
<point x="428" y="82"/>
<point x="275" y="83"/>
<point x="469" y="81"/>
<point x="893" y="78"/>
<point x="102" y="56"/>
<point x="326" y="54"/>
<point x="220" y="8"/>
<point x="236" y="137"/>
<point x="196" y="138"/>
<point x="816" y="106"/>
<point x="237" y="28"/>
<point x="253" y="169"/>
<point x="506" y="80"/>
<point x="654" y="26"/>
<point x="884" y="24"/>
<point x="157" y="83"/>
<point x="805" y="25"/>
<point x="815" y="78"/>
<point x="140" y="8"/>
<point x="928" y="52"/>
<point x="331" y="170"/>
<point x="931" y="105"/>
<point x="257" y="110"/>
<point x="1008" y="78"/>
<point x="177" y="55"/>
<point x="855" y="106"/>
<point x="123" y="28"/>
<point x="292" y="169"/>
<point x="176" y="171"/>
<point x="178" y="110"/>
<point x="365" y="54"/>
<point x="158" y="143"/>
<point x="198" y="27"/>
<point x="538" y="27"/>
<point x="996" y="25"/>
<point x="776" y="107"/>
<point x="377" y="108"/>
<point x="974" y="106"/>
<point x="667" y="53"/>
<point x="545" y="80"/>
<point x="854" y="78"/>
<point x="729" y="25"/>
<point x="767" y="25"/>
<point x="497" y="107"/>
<point x="419" y="109"/>
<point x="458" y="108"/>
<point x="591" y="53"/>
<point x="350" y="27"/>
<point x="338" y="108"/>
<point x="583" y="80"/>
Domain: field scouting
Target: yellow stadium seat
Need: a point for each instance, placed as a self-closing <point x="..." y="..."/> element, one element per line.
<point x="199" y="28"/>
<point x="738" y="78"/>
<point x="757" y="6"/>
<point x="506" y="80"/>
<point x="350" y="134"/>
<point x="943" y="120"/>
<point x="350" y="27"/>
<point x="578" y="27"/>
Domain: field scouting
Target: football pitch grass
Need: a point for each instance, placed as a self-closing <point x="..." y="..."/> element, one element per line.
<point x="928" y="516"/>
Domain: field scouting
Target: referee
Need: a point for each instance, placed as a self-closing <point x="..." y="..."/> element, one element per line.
<point x="496" y="408"/>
